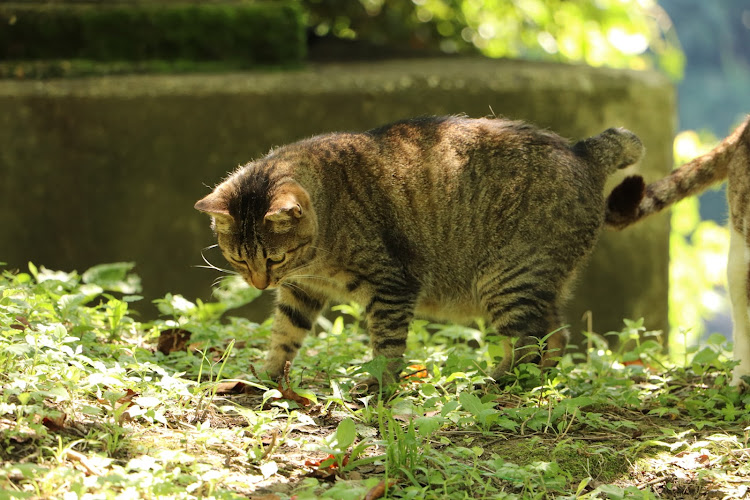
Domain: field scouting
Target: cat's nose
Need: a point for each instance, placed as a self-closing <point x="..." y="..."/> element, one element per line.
<point x="259" y="282"/>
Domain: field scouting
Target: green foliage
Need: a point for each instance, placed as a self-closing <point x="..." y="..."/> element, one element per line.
<point x="89" y="407"/>
<point x="616" y="33"/>
<point x="256" y="32"/>
<point x="698" y="259"/>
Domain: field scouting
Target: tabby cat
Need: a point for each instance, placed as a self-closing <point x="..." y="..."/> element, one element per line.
<point x="447" y="217"/>
<point x="729" y="160"/>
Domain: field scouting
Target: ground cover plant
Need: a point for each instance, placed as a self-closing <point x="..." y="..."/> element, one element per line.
<point x="96" y="403"/>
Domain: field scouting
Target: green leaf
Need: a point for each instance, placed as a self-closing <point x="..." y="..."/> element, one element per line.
<point x="705" y="356"/>
<point x="471" y="403"/>
<point x="375" y="367"/>
<point x="114" y="277"/>
<point x="346" y="433"/>
<point x="428" y="425"/>
<point x="448" y="407"/>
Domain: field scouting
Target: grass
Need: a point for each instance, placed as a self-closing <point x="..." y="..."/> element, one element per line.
<point x="98" y="404"/>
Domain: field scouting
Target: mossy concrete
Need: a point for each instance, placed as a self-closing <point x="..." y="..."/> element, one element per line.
<point x="108" y="168"/>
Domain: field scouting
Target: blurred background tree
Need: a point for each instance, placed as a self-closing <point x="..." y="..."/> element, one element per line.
<point x="703" y="46"/>
<point x="633" y="34"/>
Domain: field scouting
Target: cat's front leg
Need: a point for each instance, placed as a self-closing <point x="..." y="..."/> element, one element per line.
<point x="738" y="274"/>
<point x="295" y="313"/>
<point x="388" y="313"/>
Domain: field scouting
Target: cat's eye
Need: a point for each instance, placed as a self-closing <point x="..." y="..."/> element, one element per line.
<point x="275" y="260"/>
<point x="237" y="262"/>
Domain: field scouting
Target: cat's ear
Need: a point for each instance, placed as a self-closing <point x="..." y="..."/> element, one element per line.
<point x="216" y="206"/>
<point x="285" y="211"/>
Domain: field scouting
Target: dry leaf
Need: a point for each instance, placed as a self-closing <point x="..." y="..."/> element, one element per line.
<point x="172" y="340"/>
<point x="55" y="423"/>
<point x="23" y="324"/>
<point x="379" y="490"/>
<point x="234" y="387"/>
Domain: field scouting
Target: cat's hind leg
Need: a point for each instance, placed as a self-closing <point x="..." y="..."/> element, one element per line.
<point x="738" y="274"/>
<point x="521" y="304"/>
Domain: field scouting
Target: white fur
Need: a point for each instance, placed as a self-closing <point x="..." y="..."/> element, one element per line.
<point x="737" y="275"/>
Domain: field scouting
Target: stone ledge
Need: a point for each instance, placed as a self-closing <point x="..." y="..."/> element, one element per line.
<point x="108" y="168"/>
<point x="449" y="74"/>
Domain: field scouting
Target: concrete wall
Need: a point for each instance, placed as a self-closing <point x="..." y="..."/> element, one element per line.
<point x="107" y="169"/>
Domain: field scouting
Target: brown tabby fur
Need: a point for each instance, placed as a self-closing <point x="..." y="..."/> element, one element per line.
<point x="452" y="218"/>
<point x="729" y="160"/>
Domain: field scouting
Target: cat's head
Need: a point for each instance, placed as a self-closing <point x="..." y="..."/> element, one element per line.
<point x="266" y="232"/>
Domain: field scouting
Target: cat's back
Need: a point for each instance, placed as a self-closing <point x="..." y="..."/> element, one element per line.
<point x="442" y="138"/>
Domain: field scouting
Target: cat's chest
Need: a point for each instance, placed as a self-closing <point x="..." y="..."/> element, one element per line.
<point x="342" y="285"/>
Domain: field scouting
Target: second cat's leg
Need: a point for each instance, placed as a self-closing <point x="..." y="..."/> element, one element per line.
<point x="295" y="313"/>
<point x="738" y="273"/>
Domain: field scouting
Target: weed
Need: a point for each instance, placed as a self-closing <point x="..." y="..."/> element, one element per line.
<point x="89" y="406"/>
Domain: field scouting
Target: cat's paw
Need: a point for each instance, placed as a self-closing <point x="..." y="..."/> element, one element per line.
<point x="741" y="379"/>
<point x="372" y="385"/>
<point x="365" y="387"/>
<point x="273" y="371"/>
<point x="741" y="375"/>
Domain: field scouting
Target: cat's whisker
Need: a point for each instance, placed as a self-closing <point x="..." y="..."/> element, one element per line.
<point x="209" y="265"/>
<point x="290" y="284"/>
<point x="299" y="268"/>
<point x="321" y="249"/>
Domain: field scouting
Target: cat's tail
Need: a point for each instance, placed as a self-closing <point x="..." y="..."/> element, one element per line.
<point x="632" y="200"/>
<point x="613" y="149"/>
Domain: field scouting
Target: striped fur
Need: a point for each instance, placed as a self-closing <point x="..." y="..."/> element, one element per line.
<point x="632" y="200"/>
<point x="450" y="218"/>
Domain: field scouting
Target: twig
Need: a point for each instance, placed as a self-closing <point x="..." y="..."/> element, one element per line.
<point x="270" y="447"/>
<point x="91" y="469"/>
<point x="572" y="419"/>
<point x="653" y="482"/>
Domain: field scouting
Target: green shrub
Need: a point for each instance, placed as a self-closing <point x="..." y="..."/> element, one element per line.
<point x="265" y="32"/>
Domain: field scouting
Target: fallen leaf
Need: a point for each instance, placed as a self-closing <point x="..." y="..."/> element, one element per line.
<point x="317" y="463"/>
<point x="23" y="324"/>
<point x="690" y="460"/>
<point x="128" y="397"/>
<point x="289" y="394"/>
<point x="416" y="372"/>
<point x="172" y="340"/>
<point x="379" y="490"/>
<point x="268" y="469"/>
<point x="56" y="423"/>
<point x="234" y="387"/>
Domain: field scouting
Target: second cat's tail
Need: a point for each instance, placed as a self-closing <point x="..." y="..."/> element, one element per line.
<point x="632" y="200"/>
